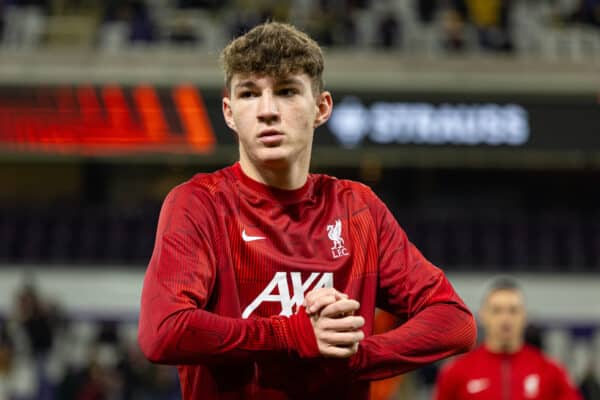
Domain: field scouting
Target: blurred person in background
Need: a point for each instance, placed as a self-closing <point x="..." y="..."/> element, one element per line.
<point x="101" y="382"/>
<point x="332" y="22"/>
<point x="249" y="14"/>
<point x="200" y="4"/>
<point x="146" y="381"/>
<point x="142" y="28"/>
<point x="588" y="12"/>
<point x="389" y="31"/>
<point x="504" y="366"/>
<point x="24" y="22"/>
<point x="321" y="23"/>
<point x="125" y="23"/>
<point x="490" y="17"/>
<point x="37" y="320"/>
<point x="114" y="29"/>
<point x="117" y="370"/>
<point x="426" y="10"/>
<point x="6" y="361"/>
<point x="2" y="4"/>
<point x="589" y="386"/>
<point x="454" y="16"/>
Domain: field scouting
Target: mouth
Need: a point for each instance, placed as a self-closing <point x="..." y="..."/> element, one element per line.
<point x="506" y="329"/>
<point x="269" y="132"/>
<point x="270" y="137"/>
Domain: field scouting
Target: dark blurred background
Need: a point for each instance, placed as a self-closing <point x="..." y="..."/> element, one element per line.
<point x="476" y="121"/>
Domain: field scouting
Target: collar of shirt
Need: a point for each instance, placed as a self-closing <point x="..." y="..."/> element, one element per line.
<point x="277" y="195"/>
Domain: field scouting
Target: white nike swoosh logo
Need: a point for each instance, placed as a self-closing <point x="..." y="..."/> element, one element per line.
<point x="248" y="238"/>
<point x="477" y="385"/>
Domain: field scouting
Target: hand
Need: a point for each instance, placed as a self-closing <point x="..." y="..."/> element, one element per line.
<point x="337" y="331"/>
<point x="317" y="299"/>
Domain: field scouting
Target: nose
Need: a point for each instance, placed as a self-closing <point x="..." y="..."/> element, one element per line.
<point x="268" y="111"/>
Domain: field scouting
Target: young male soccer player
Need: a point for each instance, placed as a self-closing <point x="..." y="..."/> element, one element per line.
<point x="504" y="367"/>
<point x="264" y="278"/>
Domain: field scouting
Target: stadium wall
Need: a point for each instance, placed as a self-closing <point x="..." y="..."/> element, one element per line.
<point x="87" y="292"/>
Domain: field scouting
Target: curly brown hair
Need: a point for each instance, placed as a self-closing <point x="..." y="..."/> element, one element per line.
<point x="274" y="49"/>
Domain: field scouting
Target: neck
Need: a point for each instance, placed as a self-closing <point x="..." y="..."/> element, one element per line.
<point x="496" y="346"/>
<point x="287" y="177"/>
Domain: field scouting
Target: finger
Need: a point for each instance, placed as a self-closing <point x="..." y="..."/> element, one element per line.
<point x="341" y="338"/>
<point x="340" y="296"/>
<point x="320" y="302"/>
<point x="317" y="299"/>
<point x="310" y="297"/>
<point x="339" y="352"/>
<point x="313" y="294"/>
<point x="344" y="324"/>
<point x="345" y="306"/>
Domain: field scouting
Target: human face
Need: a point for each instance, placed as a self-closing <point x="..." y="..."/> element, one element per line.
<point x="274" y="118"/>
<point x="503" y="317"/>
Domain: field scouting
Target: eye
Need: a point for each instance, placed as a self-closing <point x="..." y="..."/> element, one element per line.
<point x="287" y="92"/>
<point x="245" y="94"/>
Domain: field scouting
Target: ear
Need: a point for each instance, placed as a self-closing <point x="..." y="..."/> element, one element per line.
<point x="324" y="108"/>
<point x="228" y="113"/>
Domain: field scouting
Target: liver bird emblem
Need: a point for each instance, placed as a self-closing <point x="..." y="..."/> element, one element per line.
<point x="334" y="232"/>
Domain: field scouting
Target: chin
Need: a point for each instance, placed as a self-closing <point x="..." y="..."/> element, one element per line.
<point x="274" y="158"/>
<point x="276" y="163"/>
<point x="507" y="341"/>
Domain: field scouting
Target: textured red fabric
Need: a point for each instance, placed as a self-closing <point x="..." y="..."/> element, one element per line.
<point x="302" y="334"/>
<point x="526" y="374"/>
<point x="232" y="261"/>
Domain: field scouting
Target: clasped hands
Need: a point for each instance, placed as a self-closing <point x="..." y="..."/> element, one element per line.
<point x="336" y="328"/>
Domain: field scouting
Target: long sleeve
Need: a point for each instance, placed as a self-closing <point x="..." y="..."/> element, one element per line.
<point x="175" y="327"/>
<point x="438" y="324"/>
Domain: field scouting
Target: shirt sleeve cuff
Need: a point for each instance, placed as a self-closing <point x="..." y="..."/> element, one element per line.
<point x="302" y="335"/>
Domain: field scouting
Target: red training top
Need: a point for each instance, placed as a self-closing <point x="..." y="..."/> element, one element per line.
<point x="526" y="374"/>
<point x="232" y="261"/>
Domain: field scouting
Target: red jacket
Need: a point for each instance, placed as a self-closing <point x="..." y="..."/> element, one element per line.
<point x="526" y="374"/>
<point x="232" y="261"/>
